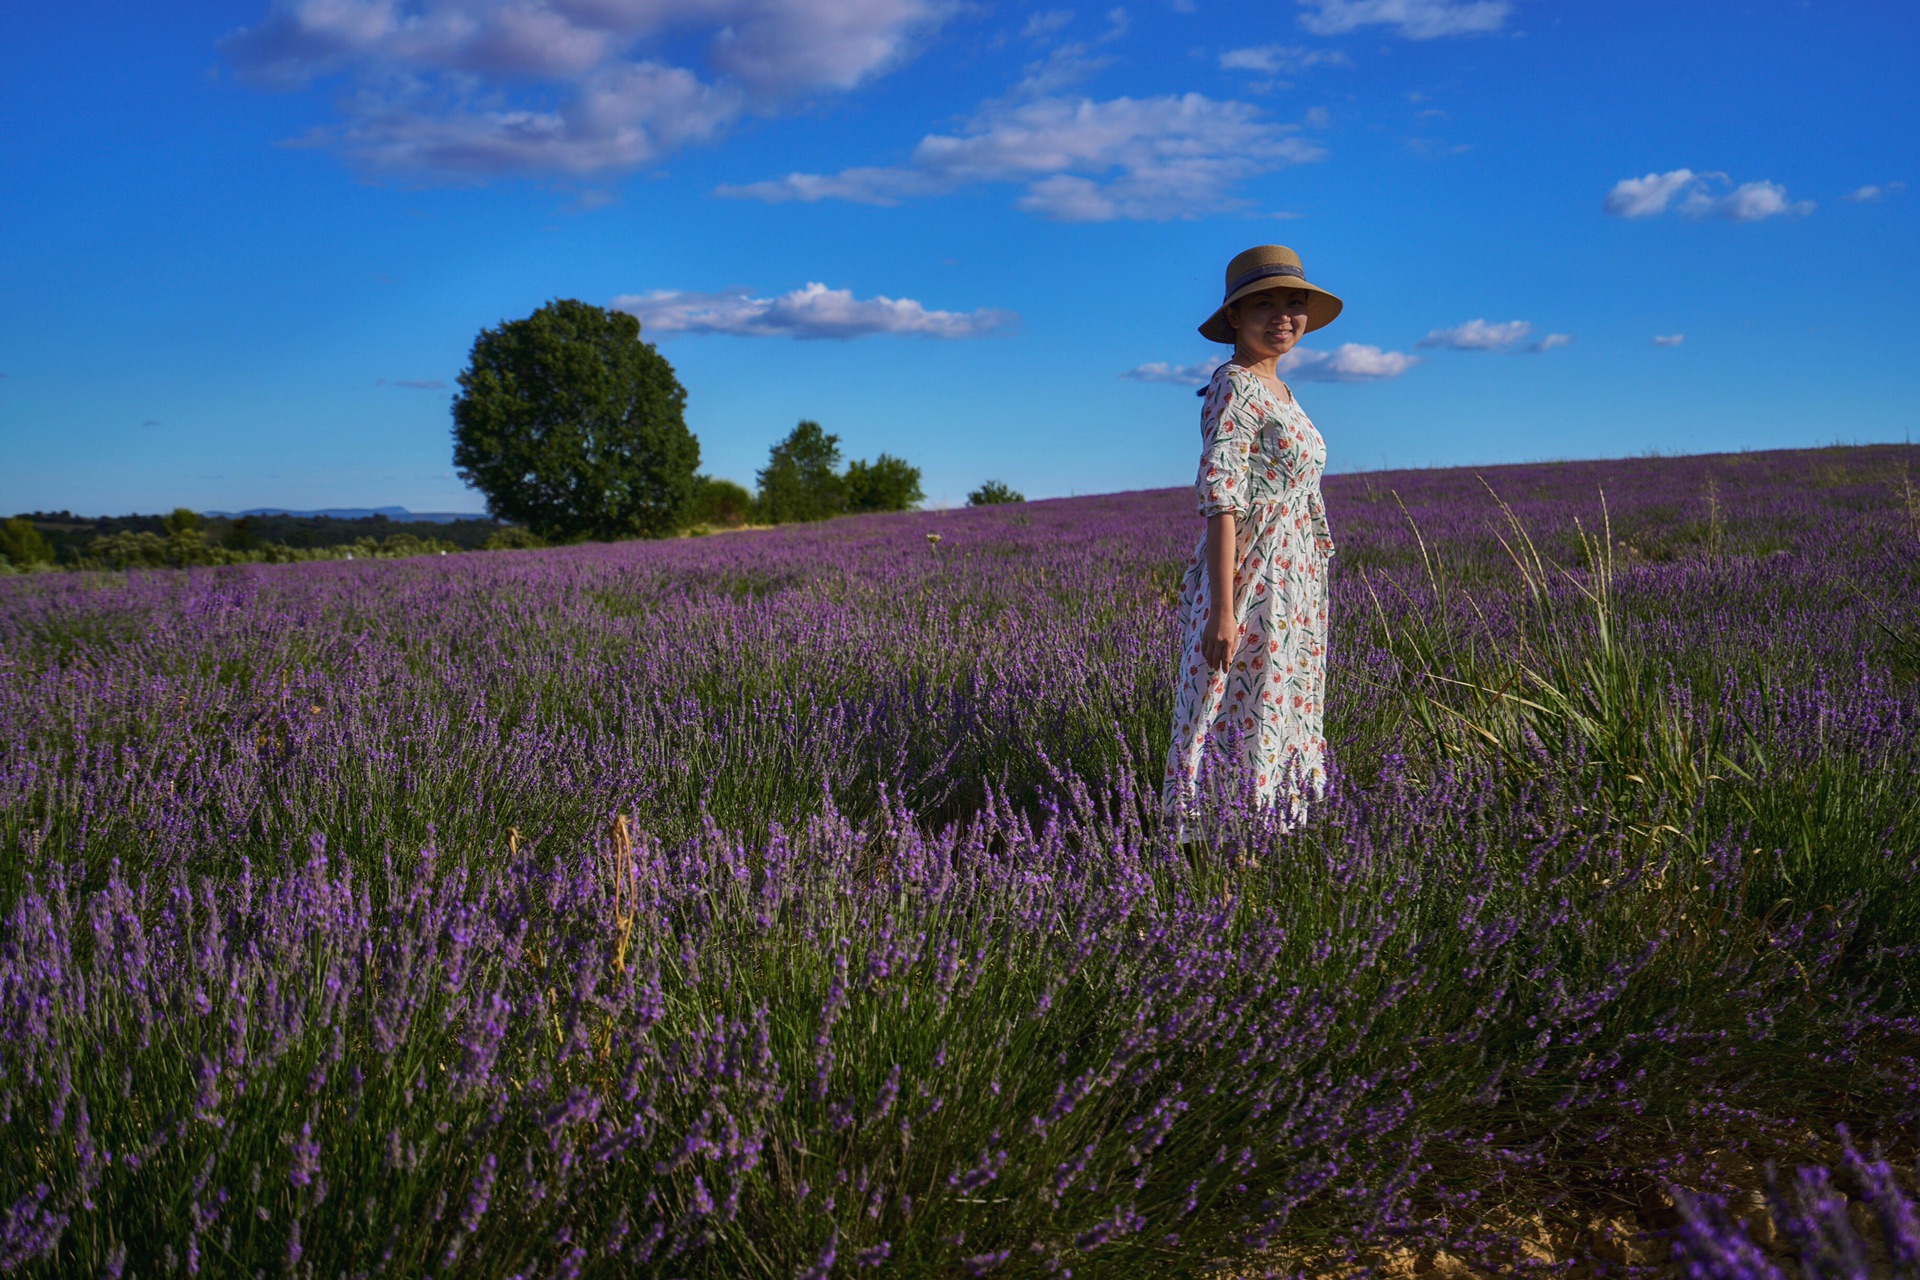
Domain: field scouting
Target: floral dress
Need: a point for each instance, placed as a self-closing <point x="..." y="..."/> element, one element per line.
<point x="1261" y="459"/>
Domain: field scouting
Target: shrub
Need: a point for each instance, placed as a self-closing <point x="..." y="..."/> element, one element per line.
<point x="22" y="545"/>
<point x="514" y="538"/>
<point x="992" y="493"/>
<point x="720" y="502"/>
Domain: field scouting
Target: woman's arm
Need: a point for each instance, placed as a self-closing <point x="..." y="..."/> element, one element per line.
<point x="1218" y="637"/>
<point x="1226" y="467"/>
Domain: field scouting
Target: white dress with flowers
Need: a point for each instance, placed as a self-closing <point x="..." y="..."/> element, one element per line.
<point x="1262" y="715"/>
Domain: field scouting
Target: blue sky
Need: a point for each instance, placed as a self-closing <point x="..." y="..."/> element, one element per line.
<point x="245" y="245"/>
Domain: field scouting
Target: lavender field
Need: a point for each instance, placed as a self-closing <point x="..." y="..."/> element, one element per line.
<point x="796" y="903"/>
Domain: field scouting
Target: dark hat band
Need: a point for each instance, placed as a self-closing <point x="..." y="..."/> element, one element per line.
<point x="1261" y="273"/>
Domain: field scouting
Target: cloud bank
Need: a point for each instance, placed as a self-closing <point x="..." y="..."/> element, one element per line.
<point x="1700" y="195"/>
<point x="812" y="312"/>
<point x="469" y="89"/>
<point x="1080" y="160"/>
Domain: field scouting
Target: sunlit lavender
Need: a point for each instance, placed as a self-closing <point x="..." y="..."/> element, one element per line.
<point x="796" y="903"/>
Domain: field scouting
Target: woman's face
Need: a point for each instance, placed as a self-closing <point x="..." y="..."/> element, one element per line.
<point x="1268" y="323"/>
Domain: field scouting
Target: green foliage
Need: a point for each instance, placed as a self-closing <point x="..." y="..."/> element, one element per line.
<point x="21" y="543"/>
<point x="182" y="521"/>
<point x="801" y="480"/>
<point x="993" y="493"/>
<point x="398" y="546"/>
<point x="189" y="548"/>
<point x="240" y="535"/>
<point x="514" y="538"/>
<point x="720" y="502"/>
<point x="574" y="427"/>
<point x="885" y="484"/>
<point x="140" y="549"/>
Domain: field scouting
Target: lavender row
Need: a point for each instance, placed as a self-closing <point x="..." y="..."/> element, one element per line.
<point x="156" y="715"/>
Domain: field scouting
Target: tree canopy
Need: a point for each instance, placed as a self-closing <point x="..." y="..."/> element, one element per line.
<point x="574" y="427"/>
<point x="802" y="480"/>
<point x="885" y="484"/>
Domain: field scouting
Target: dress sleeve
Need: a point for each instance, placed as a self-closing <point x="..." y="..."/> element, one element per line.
<point x="1227" y="434"/>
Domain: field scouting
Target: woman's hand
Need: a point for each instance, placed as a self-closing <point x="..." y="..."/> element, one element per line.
<point x="1219" y="638"/>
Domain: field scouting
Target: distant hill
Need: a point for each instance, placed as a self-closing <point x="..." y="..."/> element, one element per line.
<point x="400" y="514"/>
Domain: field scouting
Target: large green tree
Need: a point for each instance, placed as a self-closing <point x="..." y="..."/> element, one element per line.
<point x="802" y="480"/>
<point x="574" y="427"/>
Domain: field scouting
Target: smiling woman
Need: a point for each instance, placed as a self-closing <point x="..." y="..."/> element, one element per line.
<point x="1252" y="676"/>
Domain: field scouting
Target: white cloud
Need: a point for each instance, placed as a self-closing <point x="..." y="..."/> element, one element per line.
<point x="1414" y="19"/>
<point x="622" y="119"/>
<point x="1668" y="339"/>
<point x="1067" y="65"/>
<point x="472" y="88"/>
<point x="1348" y="362"/>
<point x="1700" y="195"/>
<point x="1483" y="335"/>
<point x="1180" y="375"/>
<point x="1644" y="197"/>
<point x="1046" y="22"/>
<point x="1748" y="202"/>
<point x="1873" y="191"/>
<point x="862" y="186"/>
<point x="1478" y="335"/>
<point x="813" y="312"/>
<point x="1281" y="59"/>
<point x="1081" y="160"/>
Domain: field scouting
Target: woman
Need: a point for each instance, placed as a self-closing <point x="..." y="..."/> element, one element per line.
<point x="1254" y="601"/>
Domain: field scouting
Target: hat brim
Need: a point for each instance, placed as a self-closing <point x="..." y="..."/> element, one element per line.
<point x="1322" y="307"/>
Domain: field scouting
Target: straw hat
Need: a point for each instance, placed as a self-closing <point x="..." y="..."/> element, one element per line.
<point x="1268" y="266"/>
